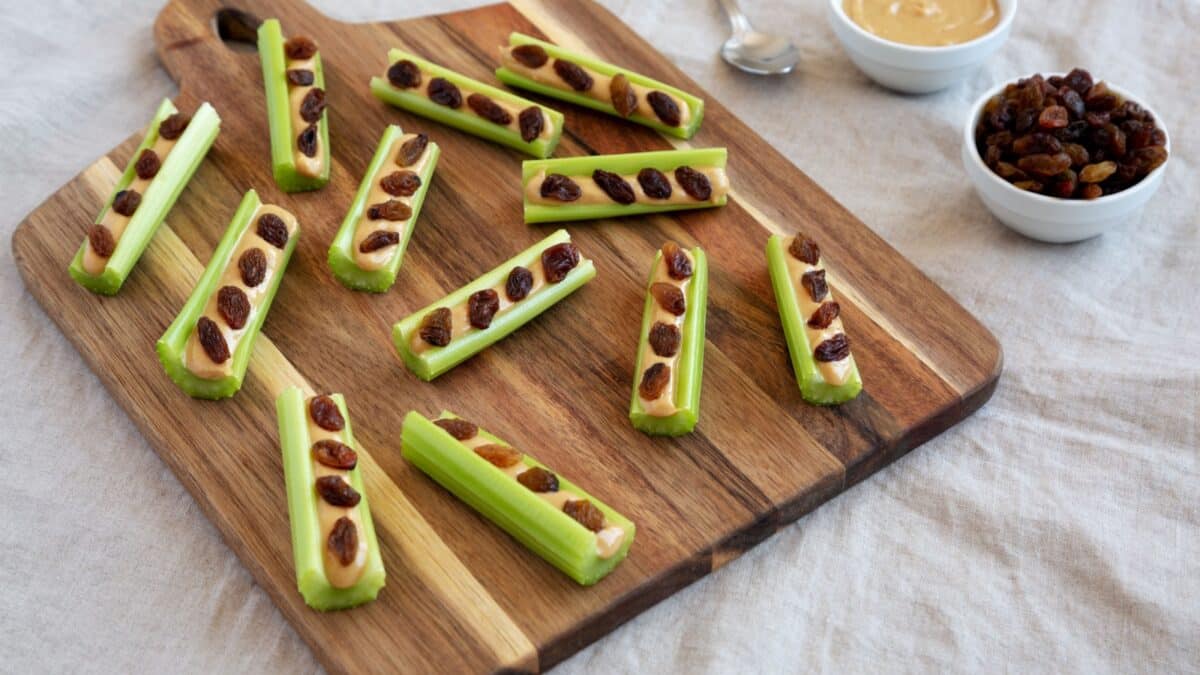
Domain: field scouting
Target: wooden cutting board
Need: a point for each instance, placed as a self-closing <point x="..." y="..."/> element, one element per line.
<point x="461" y="595"/>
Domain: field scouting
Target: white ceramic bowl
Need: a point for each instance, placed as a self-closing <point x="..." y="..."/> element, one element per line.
<point x="1054" y="219"/>
<point x="912" y="69"/>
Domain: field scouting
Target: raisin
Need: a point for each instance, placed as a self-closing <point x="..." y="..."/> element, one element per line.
<point x="404" y="74"/>
<point x="411" y="150"/>
<point x="805" y="249"/>
<point x="300" y="48"/>
<point x="813" y="281"/>
<point x="337" y="492"/>
<point x="1024" y="120"/>
<point x="538" y="479"/>
<point x="273" y="230"/>
<point x="664" y="339"/>
<point x="1078" y="79"/>
<point x="1078" y="154"/>
<point x="1097" y="173"/>
<point x="324" y="411"/>
<point x="211" y="340"/>
<point x="665" y="108"/>
<point x="694" y="183"/>
<point x="1100" y="98"/>
<point x="835" y="348"/>
<point x="573" y="75"/>
<point x="679" y="266"/>
<point x="300" y="77"/>
<point x="558" y="260"/>
<point x="585" y="513"/>
<point x="174" y="126"/>
<point x="126" y="202"/>
<point x="624" y="98"/>
<point x="654" y="381"/>
<point x="1073" y="102"/>
<point x="343" y="541"/>
<point x="443" y="92"/>
<point x="101" y="239"/>
<point x="458" y="428"/>
<point x="558" y="186"/>
<point x="1114" y="140"/>
<point x="147" y="165"/>
<point x="1065" y="184"/>
<point x="233" y="306"/>
<point x="393" y="210"/>
<point x="519" y="283"/>
<point x="617" y="188"/>
<point x="482" y="307"/>
<point x="1091" y="191"/>
<point x="825" y="314"/>
<point x="1072" y="132"/>
<point x="530" y="56"/>
<point x="1045" y="165"/>
<point x="489" y="110"/>
<point x="306" y="142"/>
<point x="1009" y="171"/>
<point x="1054" y="117"/>
<point x="654" y="183"/>
<point x="499" y="455"/>
<point x="1028" y="185"/>
<point x="532" y="122"/>
<point x="400" y="183"/>
<point x="312" y="105"/>
<point x="669" y="297"/>
<point x="1096" y="119"/>
<point x="1036" y="143"/>
<point x="1000" y="139"/>
<point x="334" y="454"/>
<point x="436" y="327"/>
<point x="1150" y="158"/>
<point x="377" y="240"/>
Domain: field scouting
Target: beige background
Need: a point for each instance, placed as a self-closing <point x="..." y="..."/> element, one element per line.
<point x="1056" y="530"/>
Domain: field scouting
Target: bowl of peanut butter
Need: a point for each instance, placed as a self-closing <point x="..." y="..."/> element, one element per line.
<point x="920" y="46"/>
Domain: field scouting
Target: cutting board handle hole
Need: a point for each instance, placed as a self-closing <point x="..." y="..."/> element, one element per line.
<point x="237" y="28"/>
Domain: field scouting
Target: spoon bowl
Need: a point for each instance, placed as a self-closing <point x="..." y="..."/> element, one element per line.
<point x="754" y="51"/>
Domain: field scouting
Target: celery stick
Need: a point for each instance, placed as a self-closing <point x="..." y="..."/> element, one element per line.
<point x="462" y="118"/>
<point x="434" y="361"/>
<point x="279" y="115"/>
<point x="565" y="93"/>
<point x="689" y="368"/>
<point x="341" y="252"/>
<point x="308" y="542"/>
<point x="813" y="387"/>
<point x="531" y="520"/>
<point x="580" y="169"/>
<point x="160" y="196"/>
<point x="172" y="346"/>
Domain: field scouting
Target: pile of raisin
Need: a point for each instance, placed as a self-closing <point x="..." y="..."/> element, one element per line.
<point x="1069" y="137"/>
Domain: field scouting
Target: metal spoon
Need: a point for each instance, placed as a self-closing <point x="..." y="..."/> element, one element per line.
<point x="754" y="51"/>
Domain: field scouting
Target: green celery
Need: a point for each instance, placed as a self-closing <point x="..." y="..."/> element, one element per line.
<point x="696" y="105"/>
<point x="416" y="102"/>
<point x="307" y="541"/>
<point x="690" y="365"/>
<point x="436" y="360"/>
<point x="813" y="387"/>
<point x="177" y="169"/>
<point x="581" y="168"/>
<point x="172" y="346"/>
<point x="341" y="253"/>
<point x="279" y="114"/>
<point x="537" y="524"/>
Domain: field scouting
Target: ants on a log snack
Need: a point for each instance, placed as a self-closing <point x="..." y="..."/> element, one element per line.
<point x="172" y="148"/>
<point x="207" y="348"/>
<point x="437" y="338"/>
<point x="1068" y="137"/>
<point x="820" y="350"/>
<point x="338" y="564"/>
<point x="541" y="67"/>
<point x="607" y="186"/>
<point x="442" y="95"/>
<point x="296" y="108"/>
<point x="549" y="514"/>
<point x="367" y="251"/>
<point x="670" y="361"/>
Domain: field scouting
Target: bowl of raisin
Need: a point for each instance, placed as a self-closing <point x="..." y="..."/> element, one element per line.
<point x="1064" y="158"/>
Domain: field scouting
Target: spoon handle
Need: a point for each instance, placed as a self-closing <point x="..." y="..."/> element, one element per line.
<point x="737" y="18"/>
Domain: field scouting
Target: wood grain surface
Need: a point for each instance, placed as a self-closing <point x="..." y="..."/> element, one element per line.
<point x="461" y="595"/>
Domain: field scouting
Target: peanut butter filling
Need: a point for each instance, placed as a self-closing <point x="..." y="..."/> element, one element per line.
<point x="305" y="165"/>
<point x="379" y="258"/>
<point x="591" y="193"/>
<point x="338" y="575"/>
<point x="928" y="23"/>
<point x="835" y="373"/>
<point x="664" y="405"/>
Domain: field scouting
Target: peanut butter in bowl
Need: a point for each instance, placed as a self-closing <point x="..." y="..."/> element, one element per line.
<point x="925" y="23"/>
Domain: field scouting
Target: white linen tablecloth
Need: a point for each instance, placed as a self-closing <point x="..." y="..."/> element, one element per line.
<point x="1056" y="530"/>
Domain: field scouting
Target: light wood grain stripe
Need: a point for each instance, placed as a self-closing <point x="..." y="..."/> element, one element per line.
<point x="535" y="11"/>
<point x="424" y="553"/>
